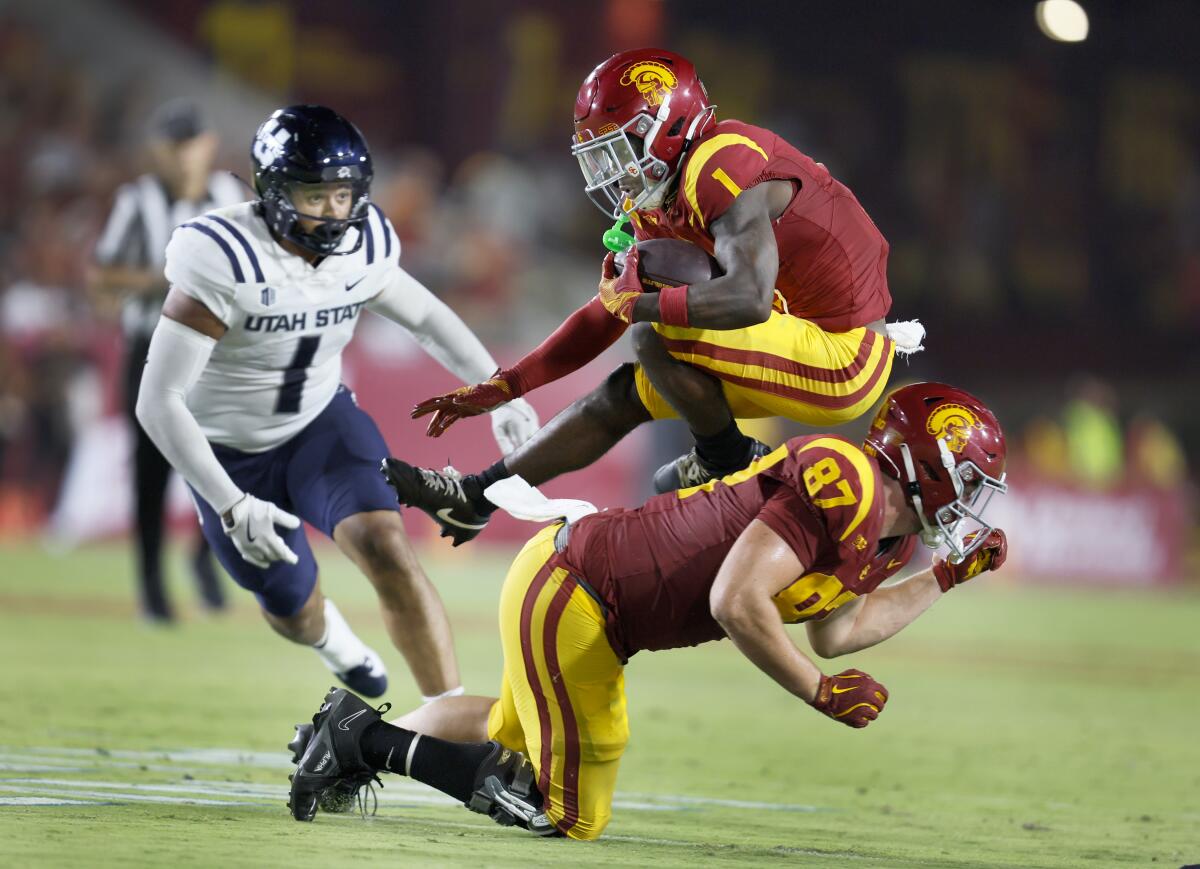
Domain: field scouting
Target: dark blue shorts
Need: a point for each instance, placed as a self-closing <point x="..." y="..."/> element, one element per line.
<point x="329" y="471"/>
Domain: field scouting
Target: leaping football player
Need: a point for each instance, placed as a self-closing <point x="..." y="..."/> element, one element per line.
<point x="242" y="393"/>
<point x="793" y="327"/>
<point x="806" y="533"/>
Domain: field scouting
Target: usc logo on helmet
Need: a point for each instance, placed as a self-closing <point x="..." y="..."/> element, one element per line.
<point x="952" y="422"/>
<point x="652" y="80"/>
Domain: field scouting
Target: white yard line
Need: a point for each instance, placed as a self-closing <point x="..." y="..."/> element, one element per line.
<point x="202" y="791"/>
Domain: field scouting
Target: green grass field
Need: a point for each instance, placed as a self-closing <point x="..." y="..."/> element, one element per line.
<point x="1024" y="729"/>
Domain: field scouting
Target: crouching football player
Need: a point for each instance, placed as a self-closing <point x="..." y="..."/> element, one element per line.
<point x="806" y="533"/>
<point x="242" y="393"/>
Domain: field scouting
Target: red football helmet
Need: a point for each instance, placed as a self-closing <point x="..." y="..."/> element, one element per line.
<point x="635" y="117"/>
<point x="947" y="450"/>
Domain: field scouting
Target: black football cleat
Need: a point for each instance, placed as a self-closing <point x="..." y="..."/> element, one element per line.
<point x="690" y="470"/>
<point x="343" y="795"/>
<point x="439" y="494"/>
<point x="506" y="791"/>
<point x="329" y="764"/>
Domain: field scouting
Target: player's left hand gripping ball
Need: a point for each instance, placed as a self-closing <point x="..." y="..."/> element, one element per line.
<point x="851" y="697"/>
<point x="465" y="401"/>
<point x="619" y="293"/>
<point x="989" y="556"/>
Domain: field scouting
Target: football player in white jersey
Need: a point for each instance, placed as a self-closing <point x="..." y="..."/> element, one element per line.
<point x="242" y="393"/>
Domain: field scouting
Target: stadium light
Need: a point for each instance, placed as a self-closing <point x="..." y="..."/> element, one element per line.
<point x="1062" y="20"/>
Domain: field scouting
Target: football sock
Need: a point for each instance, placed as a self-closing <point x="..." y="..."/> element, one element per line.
<point x="448" y="766"/>
<point x="474" y="484"/>
<point x="340" y="649"/>
<point x="727" y="449"/>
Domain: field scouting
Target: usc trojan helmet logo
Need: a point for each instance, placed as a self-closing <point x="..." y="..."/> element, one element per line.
<point x="952" y="423"/>
<point x="653" y="80"/>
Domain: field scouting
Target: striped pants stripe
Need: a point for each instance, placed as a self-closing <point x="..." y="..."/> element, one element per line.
<point x="785" y="367"/>
<point x="562" y="700"/>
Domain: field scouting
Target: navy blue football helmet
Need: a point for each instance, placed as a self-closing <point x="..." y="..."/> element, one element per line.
<point x="310" y="145"/>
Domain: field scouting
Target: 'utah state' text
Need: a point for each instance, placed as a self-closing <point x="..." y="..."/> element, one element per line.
<point x="298" y="322"/>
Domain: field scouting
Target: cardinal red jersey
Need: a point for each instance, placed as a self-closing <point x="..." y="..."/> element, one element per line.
<point x="832" y="258"/>
<point x="653" y="567"/>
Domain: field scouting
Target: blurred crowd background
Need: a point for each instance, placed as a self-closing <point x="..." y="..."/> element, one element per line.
<point x="1042" y="198"/>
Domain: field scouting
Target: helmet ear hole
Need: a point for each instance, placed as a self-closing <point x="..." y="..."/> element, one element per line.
<point x="676" y="127"/>
<point x="930" y="472"/>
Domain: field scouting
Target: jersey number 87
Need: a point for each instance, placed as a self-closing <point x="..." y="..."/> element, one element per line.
<point x="824" y="473"/>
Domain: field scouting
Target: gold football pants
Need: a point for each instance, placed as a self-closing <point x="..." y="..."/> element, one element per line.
<point x="785" y="367"/>
<point x="562" y="699"/>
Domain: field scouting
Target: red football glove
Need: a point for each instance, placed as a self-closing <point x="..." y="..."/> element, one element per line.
<point x="851" y="697"/>
<point x="989" y="556"/>
<point x="465" y="401"/>
<point x="620" y="293"/>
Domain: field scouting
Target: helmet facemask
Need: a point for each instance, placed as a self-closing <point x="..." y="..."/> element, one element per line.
<point x="327" y="235"/>
<point x="626" y="154"/>
<point x="973" y="491"/>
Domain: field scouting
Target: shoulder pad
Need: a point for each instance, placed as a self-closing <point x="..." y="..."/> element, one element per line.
<point x="380" y="242"/>
<point x="719" y="169"/>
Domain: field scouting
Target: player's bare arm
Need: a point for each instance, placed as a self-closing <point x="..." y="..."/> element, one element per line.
<point x="759" y="565"/>
<point x="885" y="612"/>
<point x="745" y="248"/>
<point x="185" y="310"/>
<point x="871" y="619"/>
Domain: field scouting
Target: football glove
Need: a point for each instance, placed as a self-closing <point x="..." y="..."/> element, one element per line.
<point x="851" y="697"/>
<point x="619" y="293"/>
<point x="250" y="524"/>
<point x="466" y="401"/>
<point x="513" y="424"/>
<point x="989" y="556"/>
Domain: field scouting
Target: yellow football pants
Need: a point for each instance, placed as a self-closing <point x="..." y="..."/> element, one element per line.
<point x="562" y="699"/>
<point x="785" y="367"/>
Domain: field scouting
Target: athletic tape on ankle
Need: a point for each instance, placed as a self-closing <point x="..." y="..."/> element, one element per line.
<point x="412" y="749"/>
<point x="672" y="306"/>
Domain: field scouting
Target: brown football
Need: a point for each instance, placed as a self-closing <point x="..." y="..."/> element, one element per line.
<point x="669" y="262"/>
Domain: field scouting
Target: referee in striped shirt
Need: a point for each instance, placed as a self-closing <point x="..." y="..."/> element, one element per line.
<point x="129" y="267"/>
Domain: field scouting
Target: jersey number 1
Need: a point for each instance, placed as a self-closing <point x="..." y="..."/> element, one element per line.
<point x="824" y="473"/>
<point x="296" y="373"/>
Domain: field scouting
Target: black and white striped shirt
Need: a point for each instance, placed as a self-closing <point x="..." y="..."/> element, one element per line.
<point x="138" y="228"/>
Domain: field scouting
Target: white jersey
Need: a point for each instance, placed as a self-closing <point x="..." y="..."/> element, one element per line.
<point x="280" y="363"/>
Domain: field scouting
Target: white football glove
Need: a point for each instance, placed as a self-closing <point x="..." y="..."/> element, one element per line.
<point x="252" y="531"/>
<point x="513" y="423"/>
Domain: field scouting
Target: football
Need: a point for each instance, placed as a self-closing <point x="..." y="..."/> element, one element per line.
<point x="669" y="262"/>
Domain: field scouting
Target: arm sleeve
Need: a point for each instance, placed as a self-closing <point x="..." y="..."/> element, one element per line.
<point x="581" y="338"/>
<point x="439" y="331"/>
<point x="176" y="358"/>
<point x="198" y="267"/>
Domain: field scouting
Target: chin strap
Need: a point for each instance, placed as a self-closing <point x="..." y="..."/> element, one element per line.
<point x="930" y="536"/>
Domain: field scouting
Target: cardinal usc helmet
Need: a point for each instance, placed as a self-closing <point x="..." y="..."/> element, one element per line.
<point x="635" y="117"/>
<point x="947" y="450"/>
<point x="310" y="145"/>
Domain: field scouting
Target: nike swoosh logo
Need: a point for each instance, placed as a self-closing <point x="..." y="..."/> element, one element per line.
<point x="894" y="563"/>
<point x="249" y="534"/>
<point x="349" y="287"/>
<point x="344" y="723"/>
<point x="846" y="690"/>
<point x="444" y="515"/>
